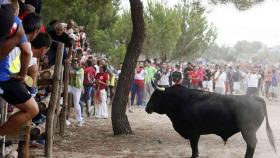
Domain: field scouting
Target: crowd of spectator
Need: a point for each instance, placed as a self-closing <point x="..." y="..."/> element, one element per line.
<point x="226" y="79"/>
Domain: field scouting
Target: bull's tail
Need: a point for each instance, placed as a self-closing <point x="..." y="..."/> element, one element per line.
<point x="268" y="129"/>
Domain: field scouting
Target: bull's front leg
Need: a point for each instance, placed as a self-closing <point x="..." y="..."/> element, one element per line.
<point x="194" y="145"/>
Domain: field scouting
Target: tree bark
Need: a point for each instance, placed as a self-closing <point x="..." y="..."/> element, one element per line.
<point x="120" y="121"/>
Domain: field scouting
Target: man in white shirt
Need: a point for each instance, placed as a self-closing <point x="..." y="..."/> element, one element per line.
<point x="163" y="78"/>
<point x="252" y="81"/>
<point x="220" y="78"/>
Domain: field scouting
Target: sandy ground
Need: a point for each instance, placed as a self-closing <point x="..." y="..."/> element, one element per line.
<point x="155" y="137"/>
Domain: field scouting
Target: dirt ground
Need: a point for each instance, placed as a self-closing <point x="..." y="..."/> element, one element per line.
<point x="155" y="137"/>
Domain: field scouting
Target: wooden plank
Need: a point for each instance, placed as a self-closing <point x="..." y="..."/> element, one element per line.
<point x="44" y="103"/>
<point x="37" y="131"/>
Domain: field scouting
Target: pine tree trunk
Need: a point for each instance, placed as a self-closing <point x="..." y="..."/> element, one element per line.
<point x="120" y="121"/>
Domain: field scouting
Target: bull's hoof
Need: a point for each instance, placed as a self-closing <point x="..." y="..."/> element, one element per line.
<point x="196" y="156"/>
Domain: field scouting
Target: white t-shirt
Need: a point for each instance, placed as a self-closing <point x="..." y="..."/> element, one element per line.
<point x="14" y="60"/>
<point x="141" y="75"/>
<point x="164" y="79"/>
<point x="252" y="80"/>
<point x="96" y="69"/>
<point x="220" y="82"/>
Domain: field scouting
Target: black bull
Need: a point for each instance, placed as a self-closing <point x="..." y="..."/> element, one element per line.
<point x="194" y="113"/>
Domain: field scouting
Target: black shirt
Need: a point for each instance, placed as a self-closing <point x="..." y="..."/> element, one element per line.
<point x="64" y="38"/>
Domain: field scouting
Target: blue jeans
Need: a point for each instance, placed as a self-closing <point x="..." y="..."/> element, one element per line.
<point x="88" y="91"/>
<point x="139" y="91"/>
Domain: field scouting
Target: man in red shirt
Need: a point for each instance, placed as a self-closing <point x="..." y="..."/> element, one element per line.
<point x="89" y="75"/>
<point x="101" y="95"/>
<point x="194" y="75"/>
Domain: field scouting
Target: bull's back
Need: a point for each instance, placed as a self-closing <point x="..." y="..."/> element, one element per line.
<point x="219" y="114"/>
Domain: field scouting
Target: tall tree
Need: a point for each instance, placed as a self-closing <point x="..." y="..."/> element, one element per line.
<point x="239" y="4"/>
<point x="120" y="121"/>
<point x="197" y="34"/>
<point x="163" y="29"/>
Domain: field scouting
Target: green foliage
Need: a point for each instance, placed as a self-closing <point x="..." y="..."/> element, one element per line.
<point x="96" y="15"/>
<point x="197" y="34"/>
<point x="162" y="30"/>
<point x="240" y="4"/>
<point x="117" y="54"/>
<point x="171" y="32"/>
<point x="178" y="32"/>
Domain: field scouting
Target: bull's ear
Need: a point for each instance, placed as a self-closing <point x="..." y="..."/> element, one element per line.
<point x="153" y="84"/>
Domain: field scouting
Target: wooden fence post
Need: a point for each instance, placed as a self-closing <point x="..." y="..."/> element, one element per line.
<point x="53" y="100"/>
<point x="4" y="107"/>
<point x="62" y="116"/>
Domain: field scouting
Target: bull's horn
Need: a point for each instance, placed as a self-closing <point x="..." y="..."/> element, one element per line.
<point x="153" y="84"/>
<point x="157" y="88"/>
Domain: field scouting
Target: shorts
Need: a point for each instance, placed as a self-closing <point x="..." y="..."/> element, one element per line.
<point x="253" y="91"/>
<point x="6" y="22"/>
<point x="15" y="92"/>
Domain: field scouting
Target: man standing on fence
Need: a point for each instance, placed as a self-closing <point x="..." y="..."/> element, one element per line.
<point x="15" y="91"/>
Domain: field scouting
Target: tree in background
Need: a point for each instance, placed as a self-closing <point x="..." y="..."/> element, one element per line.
<point x="255" y="52"/>
<point x="239" y="4"/>
<point x="178" y="32"/>
<point x="162" y="30"/>
<point x="197" y="34"/>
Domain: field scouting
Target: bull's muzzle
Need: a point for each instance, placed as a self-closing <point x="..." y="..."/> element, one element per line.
<point x="149" y="110"/>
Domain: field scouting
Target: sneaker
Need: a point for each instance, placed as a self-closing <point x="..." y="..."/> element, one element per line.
<point x="80" y="123"/>
<point x="98" y="116"/>
<point x="105" y="117"/>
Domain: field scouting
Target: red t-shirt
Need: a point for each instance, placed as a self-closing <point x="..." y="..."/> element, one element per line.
<point x="104" y="77"/>
<point x="194" y="76"/>
<point x="89" y="71"/>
